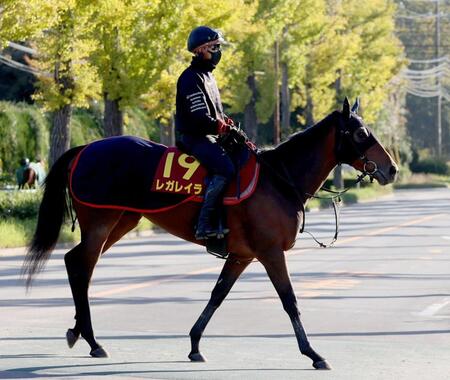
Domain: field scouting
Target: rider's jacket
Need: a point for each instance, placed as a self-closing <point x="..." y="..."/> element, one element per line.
<point x="198" y="100"/>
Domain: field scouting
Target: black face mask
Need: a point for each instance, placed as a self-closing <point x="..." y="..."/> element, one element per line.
<point x="215" y="57"/>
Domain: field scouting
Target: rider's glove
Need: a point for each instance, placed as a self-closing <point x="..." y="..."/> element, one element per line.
<point x="222" y="127"/>
<point x="229" y="121"/>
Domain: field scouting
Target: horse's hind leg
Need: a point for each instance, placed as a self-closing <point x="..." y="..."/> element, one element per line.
<point x="95" y="227"/>
<point x="230" y="273"/>
<point x="277" y="270"/>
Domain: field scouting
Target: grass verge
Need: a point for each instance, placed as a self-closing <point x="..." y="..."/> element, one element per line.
<point x="422" y="180"/>
<point x="15" y="232"/>
<point x="352" y="196"/>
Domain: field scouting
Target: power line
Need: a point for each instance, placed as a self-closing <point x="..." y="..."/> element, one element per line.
<point x="20" y="66"/>
<point x="25" y="49"/>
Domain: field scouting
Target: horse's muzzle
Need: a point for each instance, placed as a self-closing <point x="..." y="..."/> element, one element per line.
<point x="386" y="176"/>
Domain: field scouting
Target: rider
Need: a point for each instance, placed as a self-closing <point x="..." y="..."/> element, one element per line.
<point x="200" y="118"/>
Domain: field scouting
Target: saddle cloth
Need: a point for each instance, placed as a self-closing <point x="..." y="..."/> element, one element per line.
<point x="131" y="173"/>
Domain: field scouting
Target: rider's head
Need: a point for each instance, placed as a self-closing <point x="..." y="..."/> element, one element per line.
<point x="205" y="43"/>
<point x="25" y="161"/>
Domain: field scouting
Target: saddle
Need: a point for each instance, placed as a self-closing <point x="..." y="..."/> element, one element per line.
<point x="134" y="174"/>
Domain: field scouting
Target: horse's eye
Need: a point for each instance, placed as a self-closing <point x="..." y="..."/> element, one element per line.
<point x="361" y="134"/>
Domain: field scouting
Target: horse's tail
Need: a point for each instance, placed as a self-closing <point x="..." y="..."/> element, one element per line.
<point x="52" y="213"/>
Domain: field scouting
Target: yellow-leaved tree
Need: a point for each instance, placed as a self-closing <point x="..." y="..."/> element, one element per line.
<point x="58" y="30"/>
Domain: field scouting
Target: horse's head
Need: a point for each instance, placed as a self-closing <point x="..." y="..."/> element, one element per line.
<point x="357" y="146"/>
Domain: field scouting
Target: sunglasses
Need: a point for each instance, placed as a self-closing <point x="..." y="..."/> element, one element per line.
<point x="214" y="48"/>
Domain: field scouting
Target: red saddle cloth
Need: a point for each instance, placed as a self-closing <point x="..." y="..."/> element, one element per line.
<point x="179" y="173"/>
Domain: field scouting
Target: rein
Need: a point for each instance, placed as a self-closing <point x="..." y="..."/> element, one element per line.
<point x="336" y="201"/>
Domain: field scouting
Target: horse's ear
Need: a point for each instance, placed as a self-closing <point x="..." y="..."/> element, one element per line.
<point x="346" y="109"/>
<point x="355" y="106"/>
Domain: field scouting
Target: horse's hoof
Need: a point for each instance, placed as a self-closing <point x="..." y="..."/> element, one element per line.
<point x="197" y="357"/>
<point x="71" y="337"/>
<point x="99" y="353"/>
<point x="322" y="365"/>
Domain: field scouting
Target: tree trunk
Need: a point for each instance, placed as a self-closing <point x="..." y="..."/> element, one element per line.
<point x="250" y="119"/>
<point x="285" y="101"/>
<point x="60" y="134"/>
<point x="113" y="118"/>
<point x="167" y="132"/>
<point x="309" y="111"/>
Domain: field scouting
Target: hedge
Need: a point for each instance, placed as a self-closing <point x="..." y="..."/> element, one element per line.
<point x="22" y="204"/>
<point x="430" y="165"/>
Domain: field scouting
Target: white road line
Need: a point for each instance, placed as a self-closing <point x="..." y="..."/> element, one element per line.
<point x="431" y="310"/>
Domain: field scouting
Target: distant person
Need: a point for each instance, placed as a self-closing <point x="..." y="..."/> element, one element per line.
<point x="21" y="171"/>
<point x="39" y="171"/>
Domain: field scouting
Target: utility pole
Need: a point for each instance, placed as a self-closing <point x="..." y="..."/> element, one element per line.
<point x="276" y="114"/>
<point x="438" y="78"/>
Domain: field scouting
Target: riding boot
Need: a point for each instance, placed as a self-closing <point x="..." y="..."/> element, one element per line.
<point x="213" y="194"/>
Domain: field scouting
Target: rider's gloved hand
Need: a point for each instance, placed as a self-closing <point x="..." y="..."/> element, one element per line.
<point x="230" y="121"/>
<point x="222" y="127"/>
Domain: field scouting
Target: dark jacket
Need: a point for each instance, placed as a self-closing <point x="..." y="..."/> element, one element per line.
<point x="198" y="100"/>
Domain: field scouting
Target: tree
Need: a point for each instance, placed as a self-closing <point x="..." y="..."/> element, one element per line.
<point x="58" y="29"/>
<point x="133" y="50"/>
<point x="232" y="18"/>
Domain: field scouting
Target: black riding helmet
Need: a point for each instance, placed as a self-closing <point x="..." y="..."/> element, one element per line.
<point x="203" y="34"/>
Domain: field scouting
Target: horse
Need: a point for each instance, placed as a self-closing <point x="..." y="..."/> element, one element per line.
<point x="32" y="176"/>
<point x="29" y="178"/>
<point x="263" y="227"/>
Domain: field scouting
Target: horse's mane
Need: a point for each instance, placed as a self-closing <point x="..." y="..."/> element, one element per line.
<point x="301" y="139"/>
<point x="300" y="147"/>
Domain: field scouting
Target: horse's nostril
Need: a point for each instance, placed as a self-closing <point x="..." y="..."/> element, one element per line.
<point x="393" y="171"/>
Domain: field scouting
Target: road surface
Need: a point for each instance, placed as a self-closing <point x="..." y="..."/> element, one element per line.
<point x="377" y="305"/>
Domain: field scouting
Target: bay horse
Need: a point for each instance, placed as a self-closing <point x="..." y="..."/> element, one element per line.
<point x="263" y="227"/>
<point x="28" y="178"/>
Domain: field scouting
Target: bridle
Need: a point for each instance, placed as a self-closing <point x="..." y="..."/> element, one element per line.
<point x="344" y="135"/>
<point x="370" y="168"/>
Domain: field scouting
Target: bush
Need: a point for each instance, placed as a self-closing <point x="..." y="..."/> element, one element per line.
<point x="19" y="204"/>
<point x="18" y="233"/>
<point x="430" y="165"/>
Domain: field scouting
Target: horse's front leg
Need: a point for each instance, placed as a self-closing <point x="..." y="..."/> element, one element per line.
<point x="276" y="268"/>
<point x="230" y="273"/>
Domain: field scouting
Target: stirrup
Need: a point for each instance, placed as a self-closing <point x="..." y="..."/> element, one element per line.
<point x="218" y="234"/>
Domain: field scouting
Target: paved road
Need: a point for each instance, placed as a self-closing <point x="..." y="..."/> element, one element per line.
<point x="377" y="305"/>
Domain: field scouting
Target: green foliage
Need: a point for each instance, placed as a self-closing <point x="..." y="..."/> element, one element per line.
<point x="430" y="165"/>
<point x="23" y="133"/>
<point x="138" y="122"/>
<point x="85" y="126"/>
<point x="16" y="232"/>
<point x="19" y="204"/>
<point x="133" y="52"/>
